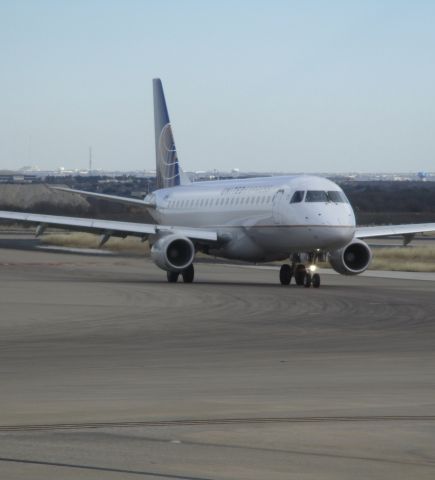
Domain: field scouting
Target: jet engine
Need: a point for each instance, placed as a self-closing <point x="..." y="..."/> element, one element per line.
<point x="173" y="252"/>
<point x="352" y="259"/>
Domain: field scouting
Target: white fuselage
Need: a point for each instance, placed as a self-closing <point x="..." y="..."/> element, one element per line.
<point x="259" y="218"/>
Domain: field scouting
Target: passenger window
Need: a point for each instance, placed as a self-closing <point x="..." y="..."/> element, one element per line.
<point x="297" y="197"/>
<point x="316" y="196"/>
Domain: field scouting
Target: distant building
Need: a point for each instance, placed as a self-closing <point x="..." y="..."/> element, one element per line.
<point x="9" y="176"/>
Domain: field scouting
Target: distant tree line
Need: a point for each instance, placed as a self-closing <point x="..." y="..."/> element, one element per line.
<point x="391" y="202"/>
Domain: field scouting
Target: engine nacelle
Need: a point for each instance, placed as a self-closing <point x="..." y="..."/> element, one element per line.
<point x="173" y="252"/>
<point x="352" y="259"/>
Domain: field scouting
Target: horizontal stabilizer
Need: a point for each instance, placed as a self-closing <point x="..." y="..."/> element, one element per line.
<point x="111" y="198"/>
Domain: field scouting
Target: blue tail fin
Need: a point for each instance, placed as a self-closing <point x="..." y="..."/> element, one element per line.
<point x="168" y="171"/>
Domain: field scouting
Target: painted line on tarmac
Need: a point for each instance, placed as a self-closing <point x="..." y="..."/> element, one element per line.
<point x="101" y="469"/>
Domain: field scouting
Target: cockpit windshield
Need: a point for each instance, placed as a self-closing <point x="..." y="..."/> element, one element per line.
<point x="297" y="197"/>
<point x="316" y="196"/>
<point x="337" y="197"/>
<point x="322" y="196"/>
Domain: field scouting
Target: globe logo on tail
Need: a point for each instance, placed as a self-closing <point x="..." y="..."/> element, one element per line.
<point x="168" y="169"/>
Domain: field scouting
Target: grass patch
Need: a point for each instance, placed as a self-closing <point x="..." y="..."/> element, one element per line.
<point x="408" y="259"/>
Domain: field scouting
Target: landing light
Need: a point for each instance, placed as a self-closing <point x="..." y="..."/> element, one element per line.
<point x="312" y="268"/>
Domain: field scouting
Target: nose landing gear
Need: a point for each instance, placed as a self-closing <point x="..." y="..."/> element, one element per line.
<point x="300" y="274"/>
<point x="303" y="276"/>
<point x="285" y="274"/>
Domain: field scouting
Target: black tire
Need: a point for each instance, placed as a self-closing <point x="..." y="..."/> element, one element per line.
<point x="172" y="276"/>
<point x="315" y="281"/>
<point x="307" y="280"/>
<point x="300" y="274"/>
<point x="188" y="274"/>
<point x="285" y="274"/>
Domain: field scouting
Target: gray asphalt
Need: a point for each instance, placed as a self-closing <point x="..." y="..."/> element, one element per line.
<point x="107" y="371"/>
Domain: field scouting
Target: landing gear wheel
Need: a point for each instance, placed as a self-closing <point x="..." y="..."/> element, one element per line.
<point x="300" y="274"/>
<point x="172" y="276"/>
<point x="315" y="281"/>
<point x="188" y="274"/>
<point x="285" y="274"/>
<point x="307" y="280"/>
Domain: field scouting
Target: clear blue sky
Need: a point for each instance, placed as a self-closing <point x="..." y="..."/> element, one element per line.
<point x="274" y="85"/>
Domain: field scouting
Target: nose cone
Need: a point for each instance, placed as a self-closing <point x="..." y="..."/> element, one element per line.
<point x="344" y="225"/>
<point x="345" y="215"/>
<point x="343" y="235"/>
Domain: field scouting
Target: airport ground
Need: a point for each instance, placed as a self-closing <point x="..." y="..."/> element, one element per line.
<point x="107" y="371"/>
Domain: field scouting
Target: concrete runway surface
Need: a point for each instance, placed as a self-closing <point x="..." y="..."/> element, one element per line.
<point x="107" y="371"/>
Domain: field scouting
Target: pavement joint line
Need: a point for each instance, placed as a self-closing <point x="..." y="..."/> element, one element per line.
<point x="216" y="421"/>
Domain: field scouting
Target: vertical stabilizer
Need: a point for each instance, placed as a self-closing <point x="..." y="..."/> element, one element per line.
<point x="168" y="171"/>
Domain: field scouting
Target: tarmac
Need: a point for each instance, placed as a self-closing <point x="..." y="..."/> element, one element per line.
<point x="108" y="371"/>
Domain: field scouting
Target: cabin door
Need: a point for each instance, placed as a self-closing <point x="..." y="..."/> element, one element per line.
<point x="277" y="206"/>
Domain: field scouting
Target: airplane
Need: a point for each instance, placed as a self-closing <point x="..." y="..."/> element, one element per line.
<point x="298" y="219"/>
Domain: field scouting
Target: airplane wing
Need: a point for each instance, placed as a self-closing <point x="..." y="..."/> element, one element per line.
<point x="104" y="196"/>
<point x="111" y="227"/>
<point x="387" y="230"/>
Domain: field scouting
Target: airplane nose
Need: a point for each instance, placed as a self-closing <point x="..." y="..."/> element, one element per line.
<point x="345" y="234"/>
<point x="346" y="216"/>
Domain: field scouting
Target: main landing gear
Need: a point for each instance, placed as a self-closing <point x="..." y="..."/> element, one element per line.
<point x="303" y="277"/>
<point x="188" y="275"/>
